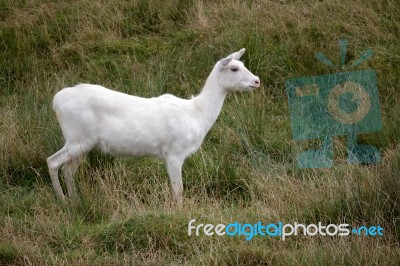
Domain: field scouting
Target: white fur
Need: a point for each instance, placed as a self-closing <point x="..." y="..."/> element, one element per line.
<point x="166" y="127"/>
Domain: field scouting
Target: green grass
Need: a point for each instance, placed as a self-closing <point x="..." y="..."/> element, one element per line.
<point x="246" y="168"/>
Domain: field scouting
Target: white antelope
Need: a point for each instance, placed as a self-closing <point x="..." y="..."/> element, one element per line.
<point x="165" y="127"/>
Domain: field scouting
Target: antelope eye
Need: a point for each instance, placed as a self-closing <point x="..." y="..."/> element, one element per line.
<point x="234" y="69"/>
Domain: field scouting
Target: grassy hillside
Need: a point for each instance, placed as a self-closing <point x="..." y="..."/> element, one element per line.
<point x="246" y="169"/>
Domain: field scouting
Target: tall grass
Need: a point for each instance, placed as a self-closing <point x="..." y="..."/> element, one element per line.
<point x="245" y="170"/>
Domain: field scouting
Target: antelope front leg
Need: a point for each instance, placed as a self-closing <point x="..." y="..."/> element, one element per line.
<point x="174" y="168"/>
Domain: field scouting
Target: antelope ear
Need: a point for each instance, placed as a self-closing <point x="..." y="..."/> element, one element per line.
<point x="225" y="62"/>
<point x="237" y="55"/>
